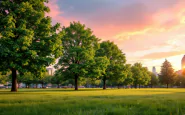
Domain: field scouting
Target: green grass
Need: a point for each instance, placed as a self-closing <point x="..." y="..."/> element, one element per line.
<point x="93" y="102"/>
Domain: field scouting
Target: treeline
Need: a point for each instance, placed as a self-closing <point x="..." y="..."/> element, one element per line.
<point x="127" y="77"/>
<point x="29" y="43"/>
<point x="133" y="76"/>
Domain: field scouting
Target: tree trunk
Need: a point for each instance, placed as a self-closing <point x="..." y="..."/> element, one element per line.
<point x="118" y="86"/>
<point x="14" y="81"/>
<point x="36" y="85"/>
<point x="104" y="83"/>
<point x="76" y="82"/>
<point x="58" y="86"/>
<point x="139" y="86"/>
<point x="136" y="86"/>
<point x="151" y="86"/>
<point x="167" y="85"/>
<point x="42" y="85"/>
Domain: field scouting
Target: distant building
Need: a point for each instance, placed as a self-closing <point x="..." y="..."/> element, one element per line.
<point x="154" y="71"/>
<point x="179" y="72"/>
<point x="50" y="70"/>
<point x="183" y="63"/>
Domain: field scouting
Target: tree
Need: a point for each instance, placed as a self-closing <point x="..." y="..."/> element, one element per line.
<point x="180" y="79"/>
<point x="58" y="78"/>
<point x="154" y="80"/>
<point x="26" y="78"/>
<point x="141" y="75"/>
<point x="146" y="78"/>
<point x="28" y="41"/>
<point x="45" y="79"/>
<point x="129" y="79"/>
<point x="92" y="82"/>
<point x="167" y="74"/>
<point x="120" y="74"/>
<point x="78" y="55"/>
<point x="116" y="61"/>
<point x="4" y="78"/>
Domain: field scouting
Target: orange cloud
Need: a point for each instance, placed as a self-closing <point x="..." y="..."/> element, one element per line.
<point x="159" y="55"/>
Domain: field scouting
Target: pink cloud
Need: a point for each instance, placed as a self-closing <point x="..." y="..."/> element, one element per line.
<point x="56" y="14"/>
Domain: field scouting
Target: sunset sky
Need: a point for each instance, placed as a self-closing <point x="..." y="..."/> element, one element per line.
<point x="147" y="31"/>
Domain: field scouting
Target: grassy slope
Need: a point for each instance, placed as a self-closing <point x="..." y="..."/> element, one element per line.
<point x="93" y="102"/>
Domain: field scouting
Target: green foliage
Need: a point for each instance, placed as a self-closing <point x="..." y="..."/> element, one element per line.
<point x="129" y="78"/>
<point x="154" y="80"/>
<point x="28" y="40"/>
<point x="180" y="79"/>
<point x="116" y="67"/>
<point x="4" y="78"/>
<point x="92" y="82"/>
<point x="141" y="75"/>
<point x="45" y="79"/>
<point x="58" y="78"/>
<point x="78" y="55"/>
<point x="26" y="78"/>
<point x="167" y="74"/>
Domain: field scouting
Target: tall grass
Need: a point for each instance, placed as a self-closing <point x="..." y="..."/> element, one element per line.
<point x="93" y="102"/>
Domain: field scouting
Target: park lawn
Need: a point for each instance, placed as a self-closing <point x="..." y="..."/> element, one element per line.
<point x="93" y="102"/>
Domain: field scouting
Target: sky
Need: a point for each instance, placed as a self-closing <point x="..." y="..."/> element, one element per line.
<point x="147" y="31"/>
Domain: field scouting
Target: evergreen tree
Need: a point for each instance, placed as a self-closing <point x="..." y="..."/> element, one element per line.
<point x="167" y="74"/>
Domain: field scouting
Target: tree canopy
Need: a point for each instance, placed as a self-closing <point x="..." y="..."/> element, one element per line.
<point x="116" y="59"/>
<point x="167" y="73"/>
<point x="78" y="58"/>
<point x="141" y="75"/>
<point x="28" y="41"/>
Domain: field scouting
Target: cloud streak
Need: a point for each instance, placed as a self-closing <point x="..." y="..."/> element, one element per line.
<point x="151" y="29"/>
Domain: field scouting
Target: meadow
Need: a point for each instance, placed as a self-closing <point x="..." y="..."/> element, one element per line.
<point x="93" y="102"/>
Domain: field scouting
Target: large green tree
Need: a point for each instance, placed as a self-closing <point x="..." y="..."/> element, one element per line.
<point x="28" y="41"/>
<point x="116" y="59"/>
<point x="78" y="58"/>
<point x="167" y="74"/>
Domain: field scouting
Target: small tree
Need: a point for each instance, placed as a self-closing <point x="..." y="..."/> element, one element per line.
<point x="167" y="74"/>
<point x="116" y="61"/>
<point x="58" y="78"/>
<point x="154" y="80"/>
<point x="44" y="79"/>
<point x="4" y="78"/>
<point x="141" y="75"/>
<point x="26" y="78"/>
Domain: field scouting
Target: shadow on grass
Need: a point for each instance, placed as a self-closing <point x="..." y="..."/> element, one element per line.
<point x="26" y="91"/>
<point x="7" y="91"/>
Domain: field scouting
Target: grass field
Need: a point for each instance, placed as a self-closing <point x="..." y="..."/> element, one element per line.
<point x="93" y="102"/>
